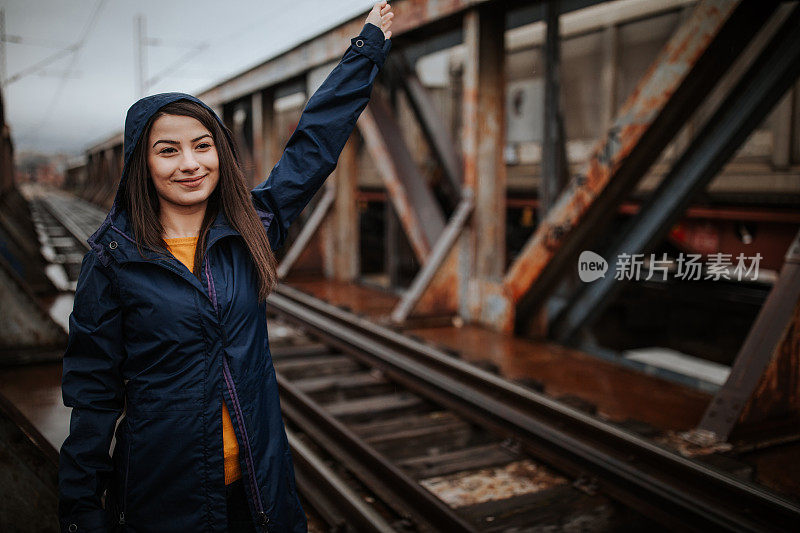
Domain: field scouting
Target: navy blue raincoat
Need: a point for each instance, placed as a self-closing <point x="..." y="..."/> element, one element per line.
<point x="151" y="342"/>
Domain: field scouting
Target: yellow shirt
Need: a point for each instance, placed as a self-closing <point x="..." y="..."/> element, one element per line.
<point x="183" y="250"/>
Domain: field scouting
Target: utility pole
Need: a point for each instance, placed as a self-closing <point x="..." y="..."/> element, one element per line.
<point x="2" y="47"/>
<point x="140" y="45"/>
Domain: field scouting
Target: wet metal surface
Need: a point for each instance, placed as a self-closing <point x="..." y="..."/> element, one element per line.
<point x="618" y="393"/>
<point x="358" y="299"/>
<point x="36" y="391"/>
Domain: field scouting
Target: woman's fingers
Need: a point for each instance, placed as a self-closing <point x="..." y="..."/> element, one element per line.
<point x="381" y="15"/>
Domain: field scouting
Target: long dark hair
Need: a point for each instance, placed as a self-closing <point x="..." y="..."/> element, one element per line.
<point x="231" y="195"/>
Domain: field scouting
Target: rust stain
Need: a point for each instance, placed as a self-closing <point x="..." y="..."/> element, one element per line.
<point x="777" y="396"/>
<point x="634" y="119"/>
<point x="489" y="484"/>
<point x="441" y="296"/>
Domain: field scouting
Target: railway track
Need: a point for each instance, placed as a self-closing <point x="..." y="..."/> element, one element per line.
<point x="390" y="434"/>
<point x="63" y="224"/>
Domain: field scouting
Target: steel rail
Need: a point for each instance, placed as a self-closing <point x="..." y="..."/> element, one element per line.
<point x="374" y="470"/>
<point x="55" y="206"/>
<point x="664" y="485"/>
<point x="651" y="479"/>
<point x="330" y="495"/>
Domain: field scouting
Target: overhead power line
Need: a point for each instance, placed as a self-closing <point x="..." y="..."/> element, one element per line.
<point x="68" y="72"/>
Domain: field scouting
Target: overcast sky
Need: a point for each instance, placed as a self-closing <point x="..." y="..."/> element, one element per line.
<point x="82" y="96"/>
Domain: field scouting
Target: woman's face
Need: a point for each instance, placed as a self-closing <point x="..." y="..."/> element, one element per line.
<point x="182" y="159"/>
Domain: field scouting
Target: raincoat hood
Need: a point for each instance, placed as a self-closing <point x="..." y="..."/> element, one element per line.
<point x="136" y="121"/>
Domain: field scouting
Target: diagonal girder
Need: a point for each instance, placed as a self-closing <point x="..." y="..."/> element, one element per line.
<point x="430" y="120"/>
<point x="694" y="58"/>
<point x="311" y="226"/>
<point x="412" y="197"/>
<point x="759" y="89"/>
<point x="761" y="346"/>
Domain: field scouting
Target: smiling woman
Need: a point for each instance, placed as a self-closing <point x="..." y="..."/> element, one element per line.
<point x="184" y="170"/>
<point x="169" y="324"/>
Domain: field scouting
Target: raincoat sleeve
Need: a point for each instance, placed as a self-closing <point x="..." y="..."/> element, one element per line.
<point x="92" y="385"/>
<point x="327" y="121"/>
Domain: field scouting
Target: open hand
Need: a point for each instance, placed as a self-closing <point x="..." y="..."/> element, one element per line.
<point x="381" y="15"/>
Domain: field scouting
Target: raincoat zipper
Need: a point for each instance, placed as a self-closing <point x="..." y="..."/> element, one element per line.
<point x="228" y="378"/>
<point x="125" y="483"/>
<point x="226" y="373"/>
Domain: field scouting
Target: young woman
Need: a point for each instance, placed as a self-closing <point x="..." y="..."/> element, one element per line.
<point x="169" y="321"/>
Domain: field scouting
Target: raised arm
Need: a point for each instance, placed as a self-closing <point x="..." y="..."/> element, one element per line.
<point x="92" y="385"/>
<point x="327" y="121"/>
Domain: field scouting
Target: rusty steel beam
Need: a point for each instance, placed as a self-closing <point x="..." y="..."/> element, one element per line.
<point x="419" y="213"/>
<point x="762" y="345"/>
<point x="444" y="246"/>
<point x="258" y="104"/>
<point x="410" y="16"/>
<point x="743" y="109"/>
<point x="86" y="188"/>
<point x="307" y="233"/>
<point x="691" y="62"/>
<point x="341" y="236"/>
<point x="483" y="140"/>
<point x="433" y="126"/>
<point x="105" y="177"/>
<point x="111" y="176"/>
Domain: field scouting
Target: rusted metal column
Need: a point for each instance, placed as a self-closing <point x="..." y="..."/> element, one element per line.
<point x="341" y="258"/>
<point x="483" y="139"/>
<point x="111" y="177"/>
<point x="609" y="74"/>
<point x="774" y="408"/>
<point x="690" y="63"/>
<point x="103" y="170"/>
<point x="266" y="148"/>
<point x="119" y="162"/>
<point x="83" y="187"/>
<point x="257" y="124"/>
<point x="242" y="119"/>
<point x="437" y="284"/>
<point x="272" y="149"/>
<point x="554" y="160"/>
<point x="782" y="132"/>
